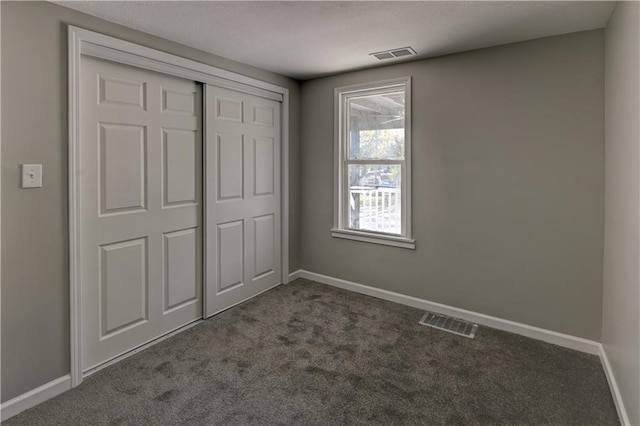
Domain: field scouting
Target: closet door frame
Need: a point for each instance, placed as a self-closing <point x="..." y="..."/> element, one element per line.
<point x="90" y="43"/>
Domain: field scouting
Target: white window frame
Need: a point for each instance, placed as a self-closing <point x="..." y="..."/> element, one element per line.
<point x="341" y="192"/>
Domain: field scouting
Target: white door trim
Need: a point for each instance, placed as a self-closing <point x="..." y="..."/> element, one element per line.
<point x="98" y="45"/>
<point x="283" y="273"/>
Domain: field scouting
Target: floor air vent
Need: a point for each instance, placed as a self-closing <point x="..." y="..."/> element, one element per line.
<point x="450" y="324"/>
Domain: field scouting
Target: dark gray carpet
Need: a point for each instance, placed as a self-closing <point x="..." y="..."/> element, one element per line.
<point x="309" y="354"/>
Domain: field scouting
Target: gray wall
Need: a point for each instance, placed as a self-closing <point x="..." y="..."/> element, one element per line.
<point x="508" y="176"/>
<point x="621" y="295"/>
<point x="35" y="275"/>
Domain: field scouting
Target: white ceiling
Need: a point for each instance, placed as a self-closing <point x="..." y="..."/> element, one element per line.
<point x="307" y="39"/>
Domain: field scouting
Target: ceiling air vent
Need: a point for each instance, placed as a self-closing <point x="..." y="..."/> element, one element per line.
<point x="394" y="53"/>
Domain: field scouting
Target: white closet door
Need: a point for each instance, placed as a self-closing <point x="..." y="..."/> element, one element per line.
<point x="243" y="197"/>
<point x="140" y="183"/>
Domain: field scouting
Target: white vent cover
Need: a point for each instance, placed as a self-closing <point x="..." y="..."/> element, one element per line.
<point x="394" y="53"/>
<point x="452" y="325"/>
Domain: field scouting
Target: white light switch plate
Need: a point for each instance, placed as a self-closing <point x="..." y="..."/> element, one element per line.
<point x="32" y="175"/>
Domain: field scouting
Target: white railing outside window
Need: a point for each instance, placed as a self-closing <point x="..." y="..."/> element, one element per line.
<point x="376" y="209"/>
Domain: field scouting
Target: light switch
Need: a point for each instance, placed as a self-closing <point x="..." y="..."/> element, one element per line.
<point x="32" y="175"/>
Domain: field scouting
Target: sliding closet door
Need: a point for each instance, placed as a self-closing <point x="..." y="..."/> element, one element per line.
<point x="141" y="191"/>
<point x="242" y="197"/>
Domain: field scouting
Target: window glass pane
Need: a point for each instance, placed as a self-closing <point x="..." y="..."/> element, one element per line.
<point x="376" y="126"/>
<point x="374" y="199"/>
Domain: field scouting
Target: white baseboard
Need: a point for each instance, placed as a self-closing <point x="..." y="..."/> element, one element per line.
<point x="295" y="275"/>
<point x="560" y="339"/>
<point x="34" y="397"/>
<point x="615" y="390"/>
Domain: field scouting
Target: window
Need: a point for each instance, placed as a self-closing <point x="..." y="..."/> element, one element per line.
<point x="373" y="160"/>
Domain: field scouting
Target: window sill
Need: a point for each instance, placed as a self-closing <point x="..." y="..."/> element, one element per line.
<point x="367" y="237"/>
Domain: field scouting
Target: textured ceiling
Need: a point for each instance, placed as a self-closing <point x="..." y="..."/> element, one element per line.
<point x="306" y="39"/>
